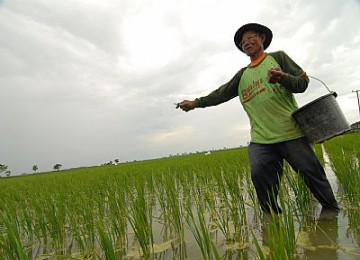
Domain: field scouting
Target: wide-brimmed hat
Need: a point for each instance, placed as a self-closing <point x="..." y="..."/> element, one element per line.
<point x="256" y="28"/>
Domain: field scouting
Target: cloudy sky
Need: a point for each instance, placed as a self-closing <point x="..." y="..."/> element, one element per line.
<point x="84" y="82"/>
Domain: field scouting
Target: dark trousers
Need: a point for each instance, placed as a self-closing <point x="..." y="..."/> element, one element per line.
<point x="266" y="166"/>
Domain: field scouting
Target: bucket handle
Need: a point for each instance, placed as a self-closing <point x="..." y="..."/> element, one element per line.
<point x="332" y="92"/>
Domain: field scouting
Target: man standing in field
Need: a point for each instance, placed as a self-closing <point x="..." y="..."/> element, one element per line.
<point x="265" y="88"/>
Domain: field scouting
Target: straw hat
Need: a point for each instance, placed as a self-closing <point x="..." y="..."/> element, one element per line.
<point x="256" y="28"/>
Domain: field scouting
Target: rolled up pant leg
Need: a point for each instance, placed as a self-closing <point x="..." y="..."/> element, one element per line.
<point x="301" y="157"/>
<point x="266" y="171"/>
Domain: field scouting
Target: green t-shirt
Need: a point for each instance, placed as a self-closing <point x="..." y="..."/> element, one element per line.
<point x="269" y="106"/>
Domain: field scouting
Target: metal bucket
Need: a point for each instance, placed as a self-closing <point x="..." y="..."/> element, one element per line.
<point x="321" y="119"/>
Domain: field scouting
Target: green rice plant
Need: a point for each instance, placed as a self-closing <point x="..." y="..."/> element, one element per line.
<point x="344" y="156"/>
<point x="56" y="219"/>
<point x="118" y="213"/>
<point x="11" y="241"/>
<point x="25" y="216"/>
<point x="83" y="225"/>
<point x="230" y="210"/>
<point x="199" y="227"/>
<point x="167" y="216"/>
<point x="297" y="191"/>
<point x="218" y="207"/>
<point x="40" y="228"/>
<point x="163" y="203"/>
<point x="251" y="197"/>
<point x="173" y="195"/>
<point x="318" y="149"/>
<point x="280" y="233"/>
<point x="106" y="243"/>
<point x="261" y="248"/>
<point x="140" y="219"/>
<point x="349" y="177"/>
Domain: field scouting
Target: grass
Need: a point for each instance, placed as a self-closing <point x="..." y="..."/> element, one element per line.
<point x="181" y="207"/>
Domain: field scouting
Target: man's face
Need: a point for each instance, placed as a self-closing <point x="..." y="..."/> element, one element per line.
<point x="252" y="43"/>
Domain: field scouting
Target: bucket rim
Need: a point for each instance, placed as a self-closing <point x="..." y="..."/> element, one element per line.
<point x="332" y="93"/>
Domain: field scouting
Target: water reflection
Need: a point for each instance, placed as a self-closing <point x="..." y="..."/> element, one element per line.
<point x="324" y="237"/>
<point x="354" y="224"/>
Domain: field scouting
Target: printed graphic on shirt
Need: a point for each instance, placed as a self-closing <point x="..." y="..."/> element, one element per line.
<point x="254" y="89"/>
<point x="254" y="81"/>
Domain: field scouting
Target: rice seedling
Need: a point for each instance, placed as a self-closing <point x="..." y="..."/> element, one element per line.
<point x="279" y="234"/>
<point x="344" y="155"/>
<point x="11" y="240"/>
<point x="140" y="219"/>
<point x="297" y="191"/>
<point x="199" y="227"/>
<point x="172" y="195"/>
<point x="106" y="243"/>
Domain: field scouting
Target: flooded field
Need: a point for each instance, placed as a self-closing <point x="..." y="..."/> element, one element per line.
<point x="186" y="207"/>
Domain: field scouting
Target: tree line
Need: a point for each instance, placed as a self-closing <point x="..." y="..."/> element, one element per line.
<point x="56" y="167"/>
<point x="35" y="168"/>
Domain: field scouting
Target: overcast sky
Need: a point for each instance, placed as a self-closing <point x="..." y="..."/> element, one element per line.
<point x="84" y="82"/>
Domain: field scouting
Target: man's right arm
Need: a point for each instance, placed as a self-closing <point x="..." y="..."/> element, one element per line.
<point x="223" y="94"/>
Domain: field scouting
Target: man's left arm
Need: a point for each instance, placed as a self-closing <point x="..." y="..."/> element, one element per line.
<point x="294" y="78"/>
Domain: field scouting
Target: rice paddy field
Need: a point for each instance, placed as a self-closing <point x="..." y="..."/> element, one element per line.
<point x="185" y="207"/>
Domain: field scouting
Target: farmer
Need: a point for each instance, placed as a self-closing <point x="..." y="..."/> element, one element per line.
<point x="265" y="88"/>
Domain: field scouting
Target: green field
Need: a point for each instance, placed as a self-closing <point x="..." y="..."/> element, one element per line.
<point x="184" y="207"/>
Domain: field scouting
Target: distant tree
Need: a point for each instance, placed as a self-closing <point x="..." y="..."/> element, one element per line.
<point x="3" y="168"/>
<point x="116" y="160"/>
<point x="108" y="163"/>
<point x="8" y="173"/>
<point x="35" y="168"/>
<point x="57" y="167"/>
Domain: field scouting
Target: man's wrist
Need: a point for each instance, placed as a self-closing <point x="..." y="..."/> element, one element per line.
<point x="195" y="103"/>
<point x="284" y="78"/>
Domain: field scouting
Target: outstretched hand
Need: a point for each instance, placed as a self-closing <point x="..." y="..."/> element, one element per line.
<point x="186" y="105"/>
